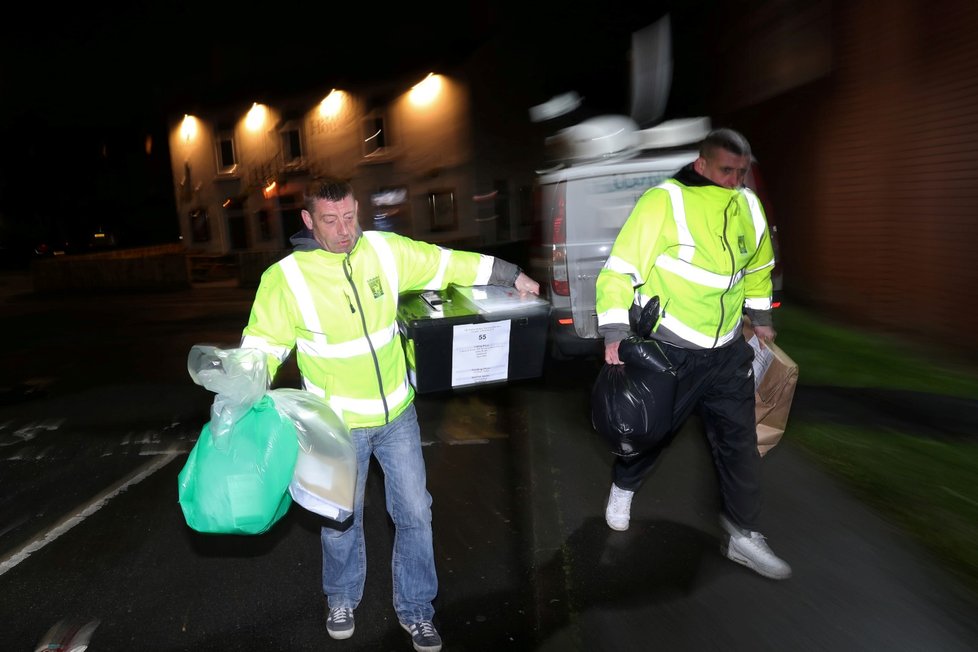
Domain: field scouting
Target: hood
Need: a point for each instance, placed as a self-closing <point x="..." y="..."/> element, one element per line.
<point x="303" y="240"/>
<point x="690" y="177"/>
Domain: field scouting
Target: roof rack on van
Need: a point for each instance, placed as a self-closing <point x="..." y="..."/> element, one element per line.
<point x="610" y="137"/>
<point x="674" y="133"/>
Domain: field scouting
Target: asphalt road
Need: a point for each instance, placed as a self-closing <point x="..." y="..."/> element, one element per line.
<point x="97" y="413"/>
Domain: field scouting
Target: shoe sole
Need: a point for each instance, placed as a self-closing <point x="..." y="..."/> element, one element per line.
<point x="340" y="635"/>
<point x="420" y="648"/>
<point x="743" y="561"/>
<point x="617" y="529"/>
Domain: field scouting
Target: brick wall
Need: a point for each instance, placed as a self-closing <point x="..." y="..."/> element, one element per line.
<point x="873" y="170"/>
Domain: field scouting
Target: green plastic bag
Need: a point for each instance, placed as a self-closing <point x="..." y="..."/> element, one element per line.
<point x="241" y="486"/>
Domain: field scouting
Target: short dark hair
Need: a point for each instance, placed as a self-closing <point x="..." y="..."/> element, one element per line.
<point x="724" y="138"/>
<point x="328" y="188"/>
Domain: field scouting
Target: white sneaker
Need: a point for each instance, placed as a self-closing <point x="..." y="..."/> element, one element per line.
<point x="751" y="550"/>
<point x="619" y="508"/>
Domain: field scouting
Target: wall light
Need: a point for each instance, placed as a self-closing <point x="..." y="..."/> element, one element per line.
<point x="332" y="104"/>
<point x="426" y="90"/>
<point x="188" y="128"/>
<point x="255" y="119"/>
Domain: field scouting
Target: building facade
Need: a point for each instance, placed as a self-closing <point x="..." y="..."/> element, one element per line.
<point x="413" y="156"/>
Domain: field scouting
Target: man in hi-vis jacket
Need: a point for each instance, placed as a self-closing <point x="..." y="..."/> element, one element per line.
<point x="334" y="300"/>
<point x="700" y="243"/>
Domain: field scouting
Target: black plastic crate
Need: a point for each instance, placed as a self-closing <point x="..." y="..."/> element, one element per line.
<point x="465" y="337"/>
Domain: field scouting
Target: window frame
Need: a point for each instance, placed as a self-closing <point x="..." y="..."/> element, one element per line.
<point x="442" y="210"/>
<point x="384" y="134"/>
<point x="221" y="138"/>
<point x="292" y="159"/>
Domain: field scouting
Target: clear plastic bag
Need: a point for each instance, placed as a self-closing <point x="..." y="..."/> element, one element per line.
<point x="239" y="377"/>
<point x="325" y="474"/>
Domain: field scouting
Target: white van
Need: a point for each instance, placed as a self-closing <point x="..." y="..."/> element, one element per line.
<point x="601" y="167"/>
<point x="597" y="169"/>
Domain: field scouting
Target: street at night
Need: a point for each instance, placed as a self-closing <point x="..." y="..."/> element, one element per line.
<point x="98" y="419"/>
<point x="807" y="164"/>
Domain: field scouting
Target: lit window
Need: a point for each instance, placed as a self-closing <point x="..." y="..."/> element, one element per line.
<point x="375" y="136"/>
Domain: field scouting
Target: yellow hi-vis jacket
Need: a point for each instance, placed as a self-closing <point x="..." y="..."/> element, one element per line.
<point x="705" y="251"/>
<point x="339" y="312"/>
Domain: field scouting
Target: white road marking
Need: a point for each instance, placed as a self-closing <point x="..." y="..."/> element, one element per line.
<point x="84" y="512"/>
<point x="30" y="431"/>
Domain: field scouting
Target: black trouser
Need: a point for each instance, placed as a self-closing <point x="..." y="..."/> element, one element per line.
<point x="719" y="385"/>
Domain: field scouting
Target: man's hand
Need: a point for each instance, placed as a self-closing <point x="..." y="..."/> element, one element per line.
<point x="526" y="285"/>
<point x="765" y="334"/>
<point x="611" y="353"/>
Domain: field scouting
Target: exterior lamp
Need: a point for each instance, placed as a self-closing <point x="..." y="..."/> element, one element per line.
<point x="188" y="128"/>
<point x="426" y="90"/>
<point x="256" y="117"/>
<point x="332" y="104"/>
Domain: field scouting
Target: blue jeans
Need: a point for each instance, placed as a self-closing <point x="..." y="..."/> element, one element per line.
<point x="397" y="447"/>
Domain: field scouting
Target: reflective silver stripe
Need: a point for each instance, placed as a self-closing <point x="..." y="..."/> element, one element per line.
<point x="684" y="237"/>
<point x="755" y="212"/>
<point x="484" y="272"/>
<point x="672" y="324"/>
<point x="696" y="274"/>
<point x="364" y="406"/>
<point x="386" y="257"/>
<point x="349" y="349"/>
<point x="760" y="227"/>
<point x="436" y="281"/>
<point x="303" y="297"/>
<point x="613" y="316"/>
<point x="642" y="299"/>
<point x="769" y="263"/>
<point x="616" y="264"/>
<point x="321" y="393"/>
<point x="260" y="343"/>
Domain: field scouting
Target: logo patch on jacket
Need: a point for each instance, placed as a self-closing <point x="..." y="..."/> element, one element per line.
<point x="742" y="244"/>
<point x="376" y="287"/>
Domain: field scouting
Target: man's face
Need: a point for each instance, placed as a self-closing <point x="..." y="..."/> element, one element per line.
<point x="334" y="224"/>
<point x="723" y="168"/>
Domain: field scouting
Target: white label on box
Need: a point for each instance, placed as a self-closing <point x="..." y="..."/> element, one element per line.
<point x="480" y="352"/>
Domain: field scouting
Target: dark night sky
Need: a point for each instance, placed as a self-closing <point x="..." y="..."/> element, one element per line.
<point x="94" y="63"/>
<point x="78" y="81"/>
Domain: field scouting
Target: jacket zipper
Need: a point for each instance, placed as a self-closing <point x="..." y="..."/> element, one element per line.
<point x="348" y="272"/>
<point x="726" y="247"/>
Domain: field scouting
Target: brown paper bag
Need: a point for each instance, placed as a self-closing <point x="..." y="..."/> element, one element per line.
<point x="775" y="377"/>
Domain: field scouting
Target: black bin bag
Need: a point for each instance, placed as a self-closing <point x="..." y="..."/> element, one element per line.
<point x="631" y="404"/>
